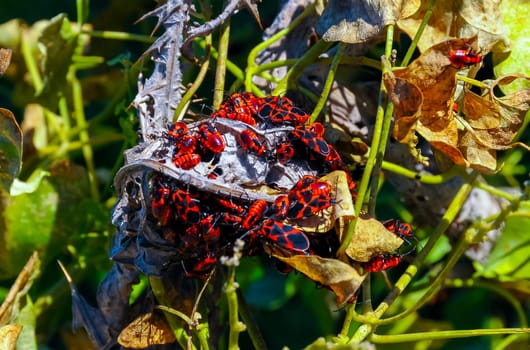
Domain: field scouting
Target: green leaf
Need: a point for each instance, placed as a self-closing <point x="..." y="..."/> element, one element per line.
<point x="509" y="261"/>
<point x="28" y="222"/>
<point x="27" y="339"/>
<point x="58" y="42"/>
<point x="515" y="14"/>
<point x="10" y="148"/>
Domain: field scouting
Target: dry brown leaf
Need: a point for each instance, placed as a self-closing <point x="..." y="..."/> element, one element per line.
<point x="431" y="77"/>
<point x="340" y="277"/>
<point x="452" y="19"/>
<point x="357" y="21"/>
<point x="371" y="239"/>
<point x="491" y="124"/>
<point x="9" y="335"/>
<point x="343" y="208"/>
<point x="147" y="330"/>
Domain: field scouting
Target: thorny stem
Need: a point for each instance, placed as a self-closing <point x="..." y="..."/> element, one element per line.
<point x="328" y="83"/>
<point x="369" y="321"/>
<point x="235" y="326"/>
<point x="253" y="54"/>
<point x="418" y="35"/>
<point x="220" y="70"/>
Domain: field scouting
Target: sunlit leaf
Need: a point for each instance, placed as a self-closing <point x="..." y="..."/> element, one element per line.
<point x="514" y="19"/>
<point x="372" y="239"/>
<point x="29" y="220"/>
<point x="508" y="261"/>
<point x="10" y="148"/>
<point x="58" y="42"/>
<point x="27" y="340"/>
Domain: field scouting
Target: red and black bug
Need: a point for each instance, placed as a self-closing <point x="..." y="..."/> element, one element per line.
<point x="284" y="152"/>
<point x="186" y="161"/>
<point x="201" y="267"/>
<point x="254" y="213"/>
<point x="283" y="235"/>
<point x="464" y="57"/>
<point x="246" y="103"/>
<point x="279" y="208"/>
<point x="160" y="204"/>
<point x="382" y="262"/>
<point x="211" y="138"/>
<point x="311" y="140"/>
<point x="186" y="206"/>
<point x="177" y="130"/>
<point x="229" y="219"/>
<point x="186" y="144"/>
<point x="308" y="197"/>
<point x="231" y="206"/>
<point x="400" y="229"/>
<point x="281" y="110"/>
<point x="250" y="142"/>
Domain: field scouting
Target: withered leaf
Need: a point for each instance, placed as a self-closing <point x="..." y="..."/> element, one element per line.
<point x="357" y="21"/>
<point x="455" y="19"/>
<point x="371" y="239"/>
<point x="340" y="277"/>
<point x="147" y="330"/>
<point x="491" y="124"/>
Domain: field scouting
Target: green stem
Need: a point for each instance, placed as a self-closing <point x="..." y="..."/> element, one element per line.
<point x="422" y="178"/>
<point x="220" y="70"/>
<point x="452" y="211"/>
<point x="418" y="35"/>
<point x="253" y="54"/>
<point x="290" y="79"/>
<point x="254" y="332"/>
<point x="157" y="286"/>
<point x="108" y="34"/>
<point x="496" y="191"/>
<point x="385" y="130"/>
<point x="371" y="164"/>
<point x="235" y="326"/>
<point x="328" y="83"/>
<point x="437" y="335"/>
<point x="84" y="137"/>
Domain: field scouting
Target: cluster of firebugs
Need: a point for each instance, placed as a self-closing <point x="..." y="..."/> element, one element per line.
<point x="203" y="226"/>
